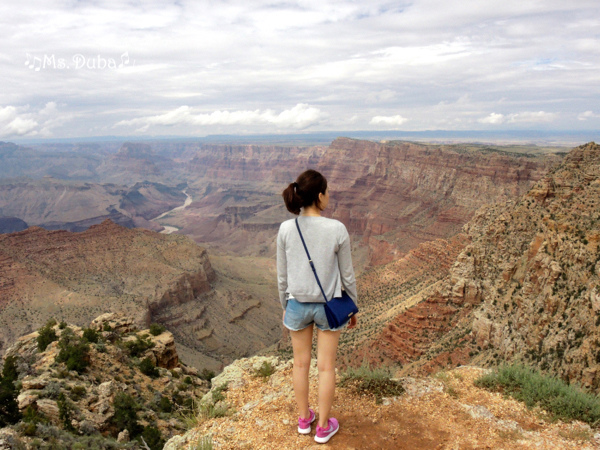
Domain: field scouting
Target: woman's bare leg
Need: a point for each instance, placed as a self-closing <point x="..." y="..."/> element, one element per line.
<point x="302" y="345"/>
<point x="327" y="343"/>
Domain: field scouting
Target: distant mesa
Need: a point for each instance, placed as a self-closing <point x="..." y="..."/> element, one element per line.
<point x="12" y="225"/>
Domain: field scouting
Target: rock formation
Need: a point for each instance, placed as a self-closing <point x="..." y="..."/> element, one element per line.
<point x="392" y="196"/>
<point x="76" y="276"/>
<point x="113" y="368"/>
<point x="525" y="288"/>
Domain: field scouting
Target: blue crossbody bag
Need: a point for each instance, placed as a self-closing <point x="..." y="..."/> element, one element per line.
<point x="339" y="309"/>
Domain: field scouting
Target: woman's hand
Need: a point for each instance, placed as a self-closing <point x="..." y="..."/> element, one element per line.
<point x="283" y="319"/>
<point x="352" y="323"/>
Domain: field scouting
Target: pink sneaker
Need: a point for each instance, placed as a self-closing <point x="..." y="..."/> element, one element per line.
<point x="324" y="434"/>
<point x="304" y="424"/>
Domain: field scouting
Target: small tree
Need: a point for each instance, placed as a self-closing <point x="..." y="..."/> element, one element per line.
<point x="156" y="329"/>
<point x="9" y="408"/>
<point x="74" y="352"/>
<point x="126" y="414"/>
<point x="46" y="335"/>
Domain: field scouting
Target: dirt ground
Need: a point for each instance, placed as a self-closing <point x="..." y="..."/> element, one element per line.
<point x="445" y="411"/>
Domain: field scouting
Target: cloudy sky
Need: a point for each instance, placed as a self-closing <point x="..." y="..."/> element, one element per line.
<point x="192" y="68"/>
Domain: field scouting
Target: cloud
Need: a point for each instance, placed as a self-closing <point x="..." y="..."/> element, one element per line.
<point x="524" y="117"/>
<point x="493" y="118"/>
<point x="15" y="122"/>
<point x="587" y="115"/>
<point x="241" y="66"/>
<point x="388" y="120"/>
<point x="299" y="117"/>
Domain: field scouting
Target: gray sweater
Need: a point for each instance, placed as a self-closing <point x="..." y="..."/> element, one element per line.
<point x="329" y="246"/>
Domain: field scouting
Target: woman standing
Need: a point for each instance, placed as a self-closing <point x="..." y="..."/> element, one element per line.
<point x="301" y="298"/>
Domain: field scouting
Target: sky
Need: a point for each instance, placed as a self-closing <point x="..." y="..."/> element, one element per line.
<point x="195" y="68"/>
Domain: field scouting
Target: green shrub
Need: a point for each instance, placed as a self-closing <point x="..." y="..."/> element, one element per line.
<point x="156" y="329"/>
<point x="217" y="393"/>
<point x="46" y="335"/>
<point x="265" y="370"/>
<point x="90" y="335"/>
<point x="164" y="404"/>
<point x="147" y="367"/>
<point x="377" y="382"/>
<point x="139" y="346"/>
<point x="209" y="374"/>
<point x="65" y="412"/>
<point x="125" y="416"/>
<point x="74" y="351"/>
<point x="77" y="392"/>
<point x="9" y="408"/>
<point x="211" y="411"/>
<point x="62" y="325"/>
<point x="565" y="402"/>
<point x="152" y="437"/>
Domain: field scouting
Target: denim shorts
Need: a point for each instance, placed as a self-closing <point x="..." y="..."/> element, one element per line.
<point x="300" y="315"/>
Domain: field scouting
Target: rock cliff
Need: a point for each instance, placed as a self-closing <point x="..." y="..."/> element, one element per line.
<point x="84" y="405"/>
<point x="391" y="196"/>
<point x="524" y="288"/>
<point x="76" y="276"/>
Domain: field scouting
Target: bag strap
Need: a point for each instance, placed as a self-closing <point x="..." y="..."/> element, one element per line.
<point x="312" y="266"/>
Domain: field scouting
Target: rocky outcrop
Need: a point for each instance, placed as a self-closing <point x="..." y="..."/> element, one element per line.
<point x="104" y="268"/>
<point x="525" y="288"/>
<point x="113" y="370"/>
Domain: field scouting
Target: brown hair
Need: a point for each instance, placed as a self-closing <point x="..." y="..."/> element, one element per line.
<point x="304" y="191"/>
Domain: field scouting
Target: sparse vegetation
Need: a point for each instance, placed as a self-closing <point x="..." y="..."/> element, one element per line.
<point x="265" y="370"/>
<point x="74" y="351"/>
<point x="139" y="346"/>
<point x="46" y="335"/>
<point x="156" y="329"/>
<point x="9" y="409"/>
<point x="147" y="367"/>
<point x="565" y="402"/>
<point x="125" y="416"/>
<point x="377" y="382"/>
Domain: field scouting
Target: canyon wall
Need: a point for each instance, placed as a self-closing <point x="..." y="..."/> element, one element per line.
<point x="526" y="287"/>
<point x="391" y="196"/>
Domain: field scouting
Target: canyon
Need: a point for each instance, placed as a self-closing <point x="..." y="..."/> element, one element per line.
<point x="403" y="203"/>
<point x="525" y="287"/>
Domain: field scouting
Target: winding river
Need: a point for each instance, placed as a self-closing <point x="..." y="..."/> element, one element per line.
<point x="169" y="229"/>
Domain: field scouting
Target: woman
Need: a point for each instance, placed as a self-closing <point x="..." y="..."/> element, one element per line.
<point x="301" y="298"/>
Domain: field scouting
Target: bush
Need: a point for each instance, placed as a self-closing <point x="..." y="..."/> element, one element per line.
<point x="65" y="412"/>
<point x="74" y="352"/>
<point x="377" y="382"/>
<point x="46" y="335"/>
<point x="156" y="329"/>
<point x="164" y="404"/>
<point x="147" y="367"/>
<point x="125" y="416"/>
<point x="265" y="370"/>
<point x="139" y="346"/>
<point x="565" y="402"/>
<point x="9" y="408"/>
<point x="217" y="393"/>
<point x="90" y="335"/>
<point x="153" y="438"/>
<point x="208" y="375"/>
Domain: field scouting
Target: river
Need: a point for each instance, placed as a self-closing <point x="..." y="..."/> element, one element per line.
<point x="168" y="229"/>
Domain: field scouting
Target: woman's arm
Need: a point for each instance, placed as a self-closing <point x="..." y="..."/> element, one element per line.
<point x="281" y="270"/>
<point x="345" y="266"/>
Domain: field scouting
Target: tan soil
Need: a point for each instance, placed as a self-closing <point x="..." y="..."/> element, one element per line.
<point x="442" y="412"/>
